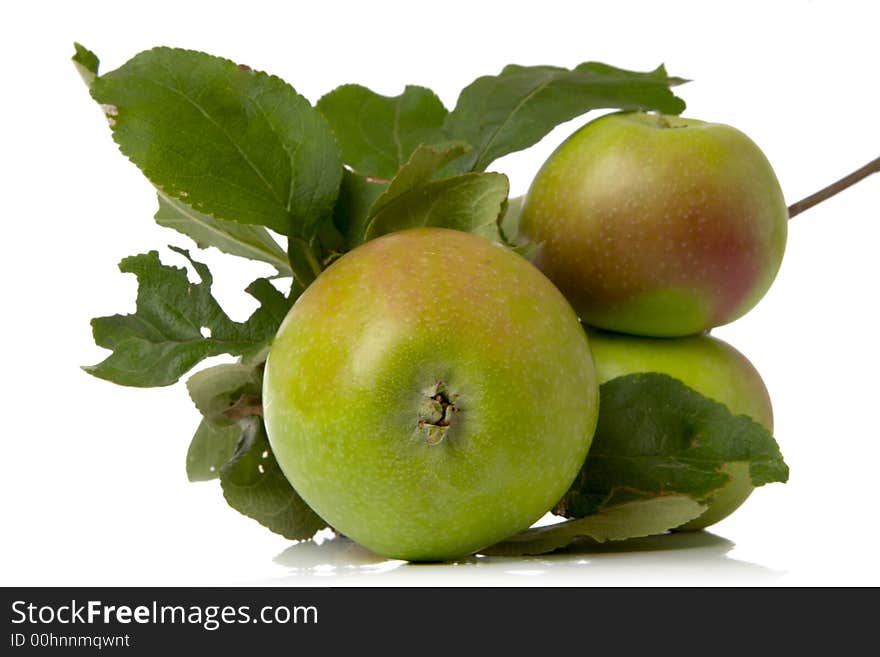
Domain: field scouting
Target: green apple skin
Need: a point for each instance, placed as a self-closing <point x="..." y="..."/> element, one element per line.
<point x="411" y="316"/>
<point x="657" y="225"/>
<point x="711" y="367"/>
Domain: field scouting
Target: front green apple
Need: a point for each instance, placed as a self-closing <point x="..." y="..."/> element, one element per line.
<point x="657" y="225"/>
<point x="711" y="367"/>
<point x="430" y="394"/>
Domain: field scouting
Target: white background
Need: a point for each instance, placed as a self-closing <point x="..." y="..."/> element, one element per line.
<point x="93" y="482"/>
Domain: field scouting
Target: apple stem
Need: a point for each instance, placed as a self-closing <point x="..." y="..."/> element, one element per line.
<point x="834" y="188"/>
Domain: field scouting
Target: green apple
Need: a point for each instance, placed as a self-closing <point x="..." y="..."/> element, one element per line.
<point x="430" y="394"/>
<point x="657" y="225"/>
<point x="711" y="367"/>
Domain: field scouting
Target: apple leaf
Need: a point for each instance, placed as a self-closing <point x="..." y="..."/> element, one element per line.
<point x="378" y="134"/>
<point x="225" y="395"/>
<point x="504" y="113"/>
<point x="253" y="242"/>
<point x="424" y="163"/>
<point x="214" y="390"/>
<point x="86" y="63"/>
<point x="212" y="445"/>
<point x="254" y="485"/>
<point x="635" y="519"/>
<point x="362" y="198"/>
<point x="272" y="311"/>
<point x="656" y="437"/>
<point x="230" y="443"/>
<point x="352" y="213"/>
<point x="178" y="323"/>
<point x="233" y="143"/>
<point x="470" y="202"/>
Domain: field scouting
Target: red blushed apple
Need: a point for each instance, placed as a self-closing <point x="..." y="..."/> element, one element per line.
<point x="657" y="225"/>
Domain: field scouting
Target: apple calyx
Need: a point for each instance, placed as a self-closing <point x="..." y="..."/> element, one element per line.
<point x="436" y="413"/>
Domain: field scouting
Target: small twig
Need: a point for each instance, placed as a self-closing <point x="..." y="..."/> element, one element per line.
<point x="834" y="188"/>
<point x="245" y="406"/>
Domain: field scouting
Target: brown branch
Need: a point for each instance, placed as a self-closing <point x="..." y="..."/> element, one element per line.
<point x="834" y="188"/>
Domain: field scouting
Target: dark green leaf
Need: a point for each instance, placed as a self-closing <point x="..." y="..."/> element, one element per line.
<point x="471" y="202"/>
<point x="254" y="485"/>
<point x="168" y="333"/>
<point x="637" y="519"/>
<point x="212" y="446"/>
<point x="273" y="305"/>
<point x="656" y="436"/>
<point x="253" y="242"/>
<point x="511" y="111"/>
<point x="351" y="215"/>
<point x="86" y="63"/>
<point x="234" y="143"/>
<point x="377" y="134"/>
<point x="424" y="163"/>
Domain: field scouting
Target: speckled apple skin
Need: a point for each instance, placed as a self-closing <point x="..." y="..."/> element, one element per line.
<point x="711" y="367"/>
<point x="348" y="373"/>
<point x="657" y="225"/>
